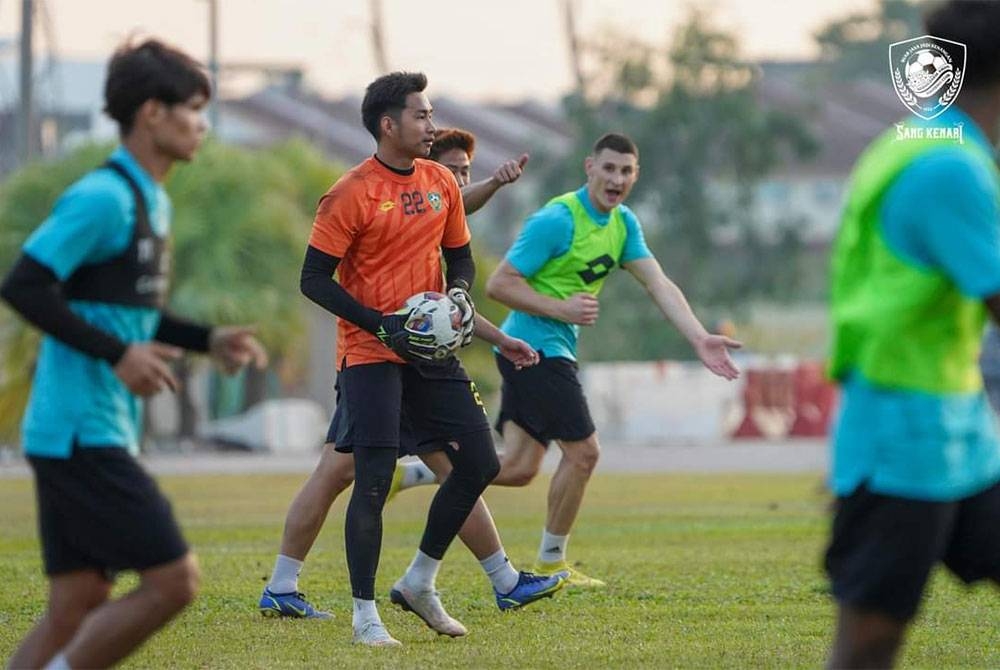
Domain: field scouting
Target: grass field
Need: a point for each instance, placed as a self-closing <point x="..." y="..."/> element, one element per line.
<point x="717" y="571"/>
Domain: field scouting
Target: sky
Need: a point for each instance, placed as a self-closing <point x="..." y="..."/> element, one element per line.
<point x="508" y="50"/>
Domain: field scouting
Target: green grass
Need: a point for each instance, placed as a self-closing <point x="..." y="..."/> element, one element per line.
<point x="704" y="571"/>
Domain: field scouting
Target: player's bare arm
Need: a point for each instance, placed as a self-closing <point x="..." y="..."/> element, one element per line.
<point x="474" y="196"/>
<point x="514" y="349"/>
<point x="713" y="350"/>
<point x="509" y="286"/>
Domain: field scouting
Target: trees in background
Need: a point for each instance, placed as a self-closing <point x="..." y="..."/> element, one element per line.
<point x="705" y="143"/>
<point x="857" y="45"/>
<point x="241" y="220"/>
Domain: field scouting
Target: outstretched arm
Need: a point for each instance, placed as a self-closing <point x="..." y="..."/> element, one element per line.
<point x="475" y="195"/>
<point x="713" y="350"/>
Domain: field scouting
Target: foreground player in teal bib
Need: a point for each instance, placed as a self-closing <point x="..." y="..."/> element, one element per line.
<point x="916" y="270"/>
<point x="94" y="278"/>
<point x="551" y="278"/>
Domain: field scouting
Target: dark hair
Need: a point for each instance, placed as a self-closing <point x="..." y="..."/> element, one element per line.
<point x="976" y="24"/>
<point x="616" y="142"/>
<point x="151" y="70"/>
<point x="387" y="96"/>
<point x="446" y="139"/>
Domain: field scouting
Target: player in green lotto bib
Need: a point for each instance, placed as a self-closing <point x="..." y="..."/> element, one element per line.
<point x="551" y="278"/>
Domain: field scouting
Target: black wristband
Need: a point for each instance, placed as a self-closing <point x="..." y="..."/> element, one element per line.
<point x="183" y="333"/>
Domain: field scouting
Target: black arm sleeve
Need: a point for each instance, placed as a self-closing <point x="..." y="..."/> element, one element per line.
<point x="317" y="284"/>
<point x="183" y="333"/>
<point x="460" y="267"/>
<point x="35" y="292"/>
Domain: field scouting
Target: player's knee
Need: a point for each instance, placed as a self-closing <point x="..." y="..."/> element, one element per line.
<point x="519" y="474"/>
<point x="584" y="456"/>
<point x="187" y="583"/>
<point x="66" y="618"/>
<point x="341" y="478"/>
<point x="479" y="463"/>
<point x="67" y="608"/>
<point x="478" y="475"/>
<point x="176" y="587"/>
<point x="337" y="469"/>
<point x="372" y="494"/>
<point x="491" y="470"/>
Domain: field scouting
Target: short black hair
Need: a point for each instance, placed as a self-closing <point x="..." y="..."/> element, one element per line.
<point x="976" y="24"/>
<point x="616" y="142"/>
<point x="387" y="95"/>
<point x="150" y="70"/>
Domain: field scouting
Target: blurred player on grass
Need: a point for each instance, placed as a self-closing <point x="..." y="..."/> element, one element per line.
<point x="94" y="278"/>
<point x="916" y="273"/>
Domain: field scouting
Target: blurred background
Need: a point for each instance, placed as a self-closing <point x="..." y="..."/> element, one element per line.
<point x="748" y="114"/>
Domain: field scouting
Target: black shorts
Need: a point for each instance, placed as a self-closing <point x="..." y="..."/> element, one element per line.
<point x="99" y="509"/>
<point x="545" y="400"/>
<point x="407" y="443"/>
<point x="883" y="548"/>
<point x="377" y="398"/>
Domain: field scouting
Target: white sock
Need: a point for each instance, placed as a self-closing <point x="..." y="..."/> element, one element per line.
<point x="58" y="662"/>
<point x="422" y="572"/>
<point x="416" y="474"/>
<point x="502" y="574"/>
<point x="285" y="578"/>
<point x="364" y="612"/>
<point x="553" y="547"/>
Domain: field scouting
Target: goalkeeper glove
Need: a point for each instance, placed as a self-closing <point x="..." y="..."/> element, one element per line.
<point x="463" y="301"/>
<point x="408" y="344"/>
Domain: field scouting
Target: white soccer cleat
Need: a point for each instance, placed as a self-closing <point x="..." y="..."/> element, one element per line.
<point x="374" y="634"/>
<point x="427" y="606"/>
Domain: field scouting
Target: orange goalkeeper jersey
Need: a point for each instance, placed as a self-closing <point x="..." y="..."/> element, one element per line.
<point x="388" y="230"/>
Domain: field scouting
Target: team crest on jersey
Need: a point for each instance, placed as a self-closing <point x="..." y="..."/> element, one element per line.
<point x="435" y="200"/>
<point x="386" y="206"/>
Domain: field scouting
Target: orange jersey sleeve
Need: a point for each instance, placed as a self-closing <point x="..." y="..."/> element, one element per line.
<point x="339" y="216"/>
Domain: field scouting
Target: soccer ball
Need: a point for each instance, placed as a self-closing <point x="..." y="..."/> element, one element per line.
<point x="435" y="314"/>
<point x="926" y="72"/>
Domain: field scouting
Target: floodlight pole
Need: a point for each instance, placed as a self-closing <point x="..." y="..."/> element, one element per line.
<point x="25" y="118"/>
<point x="213" y="63"/>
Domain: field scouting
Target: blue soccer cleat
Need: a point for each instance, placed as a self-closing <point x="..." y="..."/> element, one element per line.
<point x="530" y="587"/>
<point x="292" y="605"/>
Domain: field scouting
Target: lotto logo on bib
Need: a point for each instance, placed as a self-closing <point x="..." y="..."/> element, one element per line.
<point x="927" y="73"/>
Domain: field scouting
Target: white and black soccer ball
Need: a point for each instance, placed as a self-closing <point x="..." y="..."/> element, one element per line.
<point x="435" y="314"/>
<point x="926" y="72"/>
